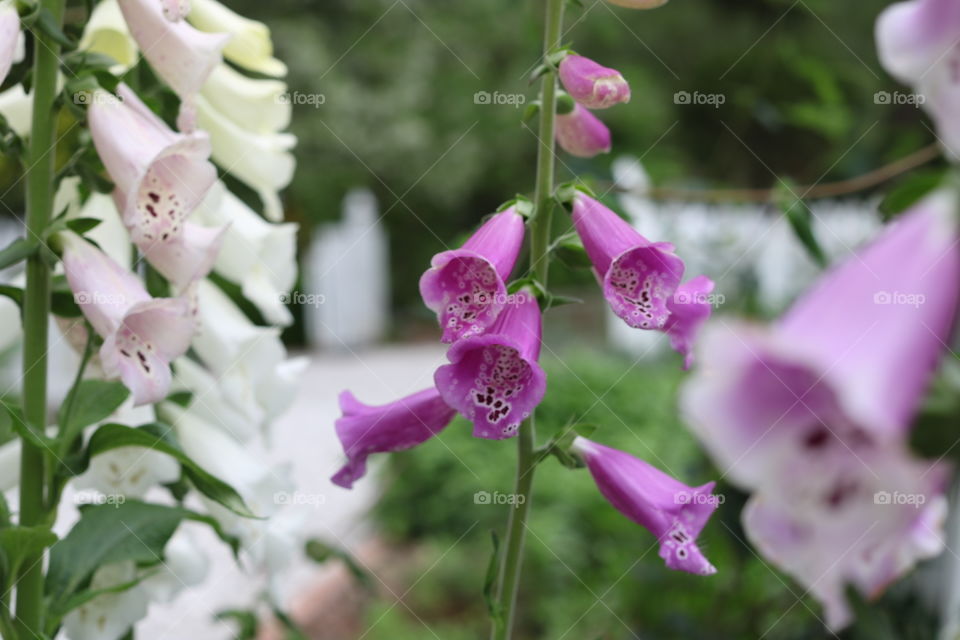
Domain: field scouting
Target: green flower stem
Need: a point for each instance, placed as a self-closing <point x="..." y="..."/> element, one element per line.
<point x="41" y="156"/>
<point x="527" y="457"/>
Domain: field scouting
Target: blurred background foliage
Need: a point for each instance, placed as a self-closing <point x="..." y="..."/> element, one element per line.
<point x="399" y="79"/>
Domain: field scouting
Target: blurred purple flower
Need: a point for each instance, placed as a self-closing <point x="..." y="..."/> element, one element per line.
<point x="466" y="286"/>
<point x="399" y="425"/>
<point x="813" y="413"/>
<point x="592" y="85"/>
<point x="494" y="379"/>
<point x="582" y="134"/>
<point x="669" y="509"/>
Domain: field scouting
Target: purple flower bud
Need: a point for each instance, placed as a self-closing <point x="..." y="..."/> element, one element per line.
<point x="582" y="134"/>
<point x="592" y="85"/>
<point x="667" y="508"/>
<point x="466" y="287"/>
<point x="493" y="379"/>
<point x="399" y="425"/>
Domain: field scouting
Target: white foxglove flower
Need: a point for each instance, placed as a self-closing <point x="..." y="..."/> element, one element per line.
<point x="261" y="160"/>
<point x="106" y="32"/>
<point x="209" y="403"/>
<point x="9" y="37"/>
<point x="250" y="46"/>
<point x="108" y="616"/>
<point x="174" y="10"/>
<point x="260" y="106"/>
<point x="184" y="565"/>
<point x="257" y="255"/>
<point x="249" y="361"/>
<point x="16" y="106"/>
<point x="128" y="471"/>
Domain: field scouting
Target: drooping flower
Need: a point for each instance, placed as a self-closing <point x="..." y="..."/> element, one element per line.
<point x="917" y="43"/>
<point x="582" y="134"/>
<point x="402" y="424"/>
<point x="640" y="278"/>
<point x="493" y="379"/>
<point x="258" y="105"/>
<point x="141" y="335"/>
<point x="669" y="509"/>
<point x="593" y="85"/>
<point x="9" y="36"/>
<point x="209" y="402"/>
<point x="106" y="32"/>
<point x="257" y="255"/>
<point x="160" y="176"/>
<point x="181" y="55"/>
<point x="112" y="614"/>
<point x="813" y="413"/>
<point x="466" y="286"/>
<point x="250" y="45"/>
<point x="174" y="10"/>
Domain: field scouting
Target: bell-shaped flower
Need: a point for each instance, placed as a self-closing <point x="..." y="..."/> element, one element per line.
<point x="9" y="36"/>
<point x="106" y="32"/>
<point x="257" y="255"/>
<point x="917" y="43"/>
<point x="16" y="106"/>
<point x="174" y="10"/>
<point x="141" y="335"/>
<point x="466" y="286"/>
<point x="110" y="615"/>
<point x="593" y="85"/>
<point x="582" y="134"/>
<point x="814" y="411"/>
<point x="493" y="379"/>
<point x="689" y="308"/>
<point x="160" y="177"/>
<point x="249" y="361"/>
<point x="250" y="45"/>
<point x="209" y="402"/>
<point x="182" y="56"/>
<point x="261" y="160"/>
<point x="667" y="508"/>
<point x="398" y="425"/>
<point x="259" y="106"/>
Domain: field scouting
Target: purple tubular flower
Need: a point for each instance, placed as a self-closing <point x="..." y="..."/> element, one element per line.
<point x="465" y="287"/>
<point x="582" y="134"/>
<point x="669" y="509"/>
<point x="592" y="85"/>
<point x="399" y="425"/>
<point x="689" y="309"/>
<point x="493" y="379"/>
<point x="813" y="413"/>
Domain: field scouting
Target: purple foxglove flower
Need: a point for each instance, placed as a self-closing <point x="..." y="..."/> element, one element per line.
<point x="582" y="134"/>
<point x="399" y="425"/>
<point x="175" y="10"/>
<point x="493" y="379"/>
<point x="641" y="279"/>
<point x="917" y="45"/>
<point x="592" y="85"/>
<point x="161" y="177"/>
<point x="813" y="412"/>
<point x="180" y="54"/>
<point x="465" y="287"/>
<point x="9" y="37"/>
<point x="667" y="508"/>
<point x="141" y="335"/>
<point x="689" y="308"/>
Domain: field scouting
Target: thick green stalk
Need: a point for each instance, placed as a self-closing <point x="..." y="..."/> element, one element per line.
<point x="509" y="579"/>
<point x="36" y="310"/>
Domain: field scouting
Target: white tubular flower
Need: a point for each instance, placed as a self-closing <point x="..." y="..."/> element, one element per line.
<point x="261" y="160"/>
<point x="106" y="32"/>
<point x="16" y="105"/>
<point x="110" y="234"/>
<point x="184" y="565"/>
<point x="110" y="615"/>
<point x="9" y="37"/>
<point x="250" y="47"/>
<point x="249" y="361"/>
<point x="209" y="403"/>
<point x="255" y="254"/>
<point x="256" y="105"/>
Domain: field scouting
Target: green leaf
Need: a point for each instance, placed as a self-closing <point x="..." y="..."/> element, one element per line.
<point x="86" y="595"/>
<point x="294" y="632"/>
<point x="319" y="551"/>
<point x="82" y="225"/>
<point x="246" y="622"/>
<point x="569" y="250"/>
<point x="87" y="403"/>
<point x="801" y="220"/>
<point x="19" y="543"/>
<point x="50" y="26"/>
<point x="110" y="533"/>
<point x="19" y="249"/>
<point x="63" y="302"/>
<point x="909" y="191"/>
<point x="14" y="293"/>
<point x="160" y="438"/>
<point x="490" y="581"/>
